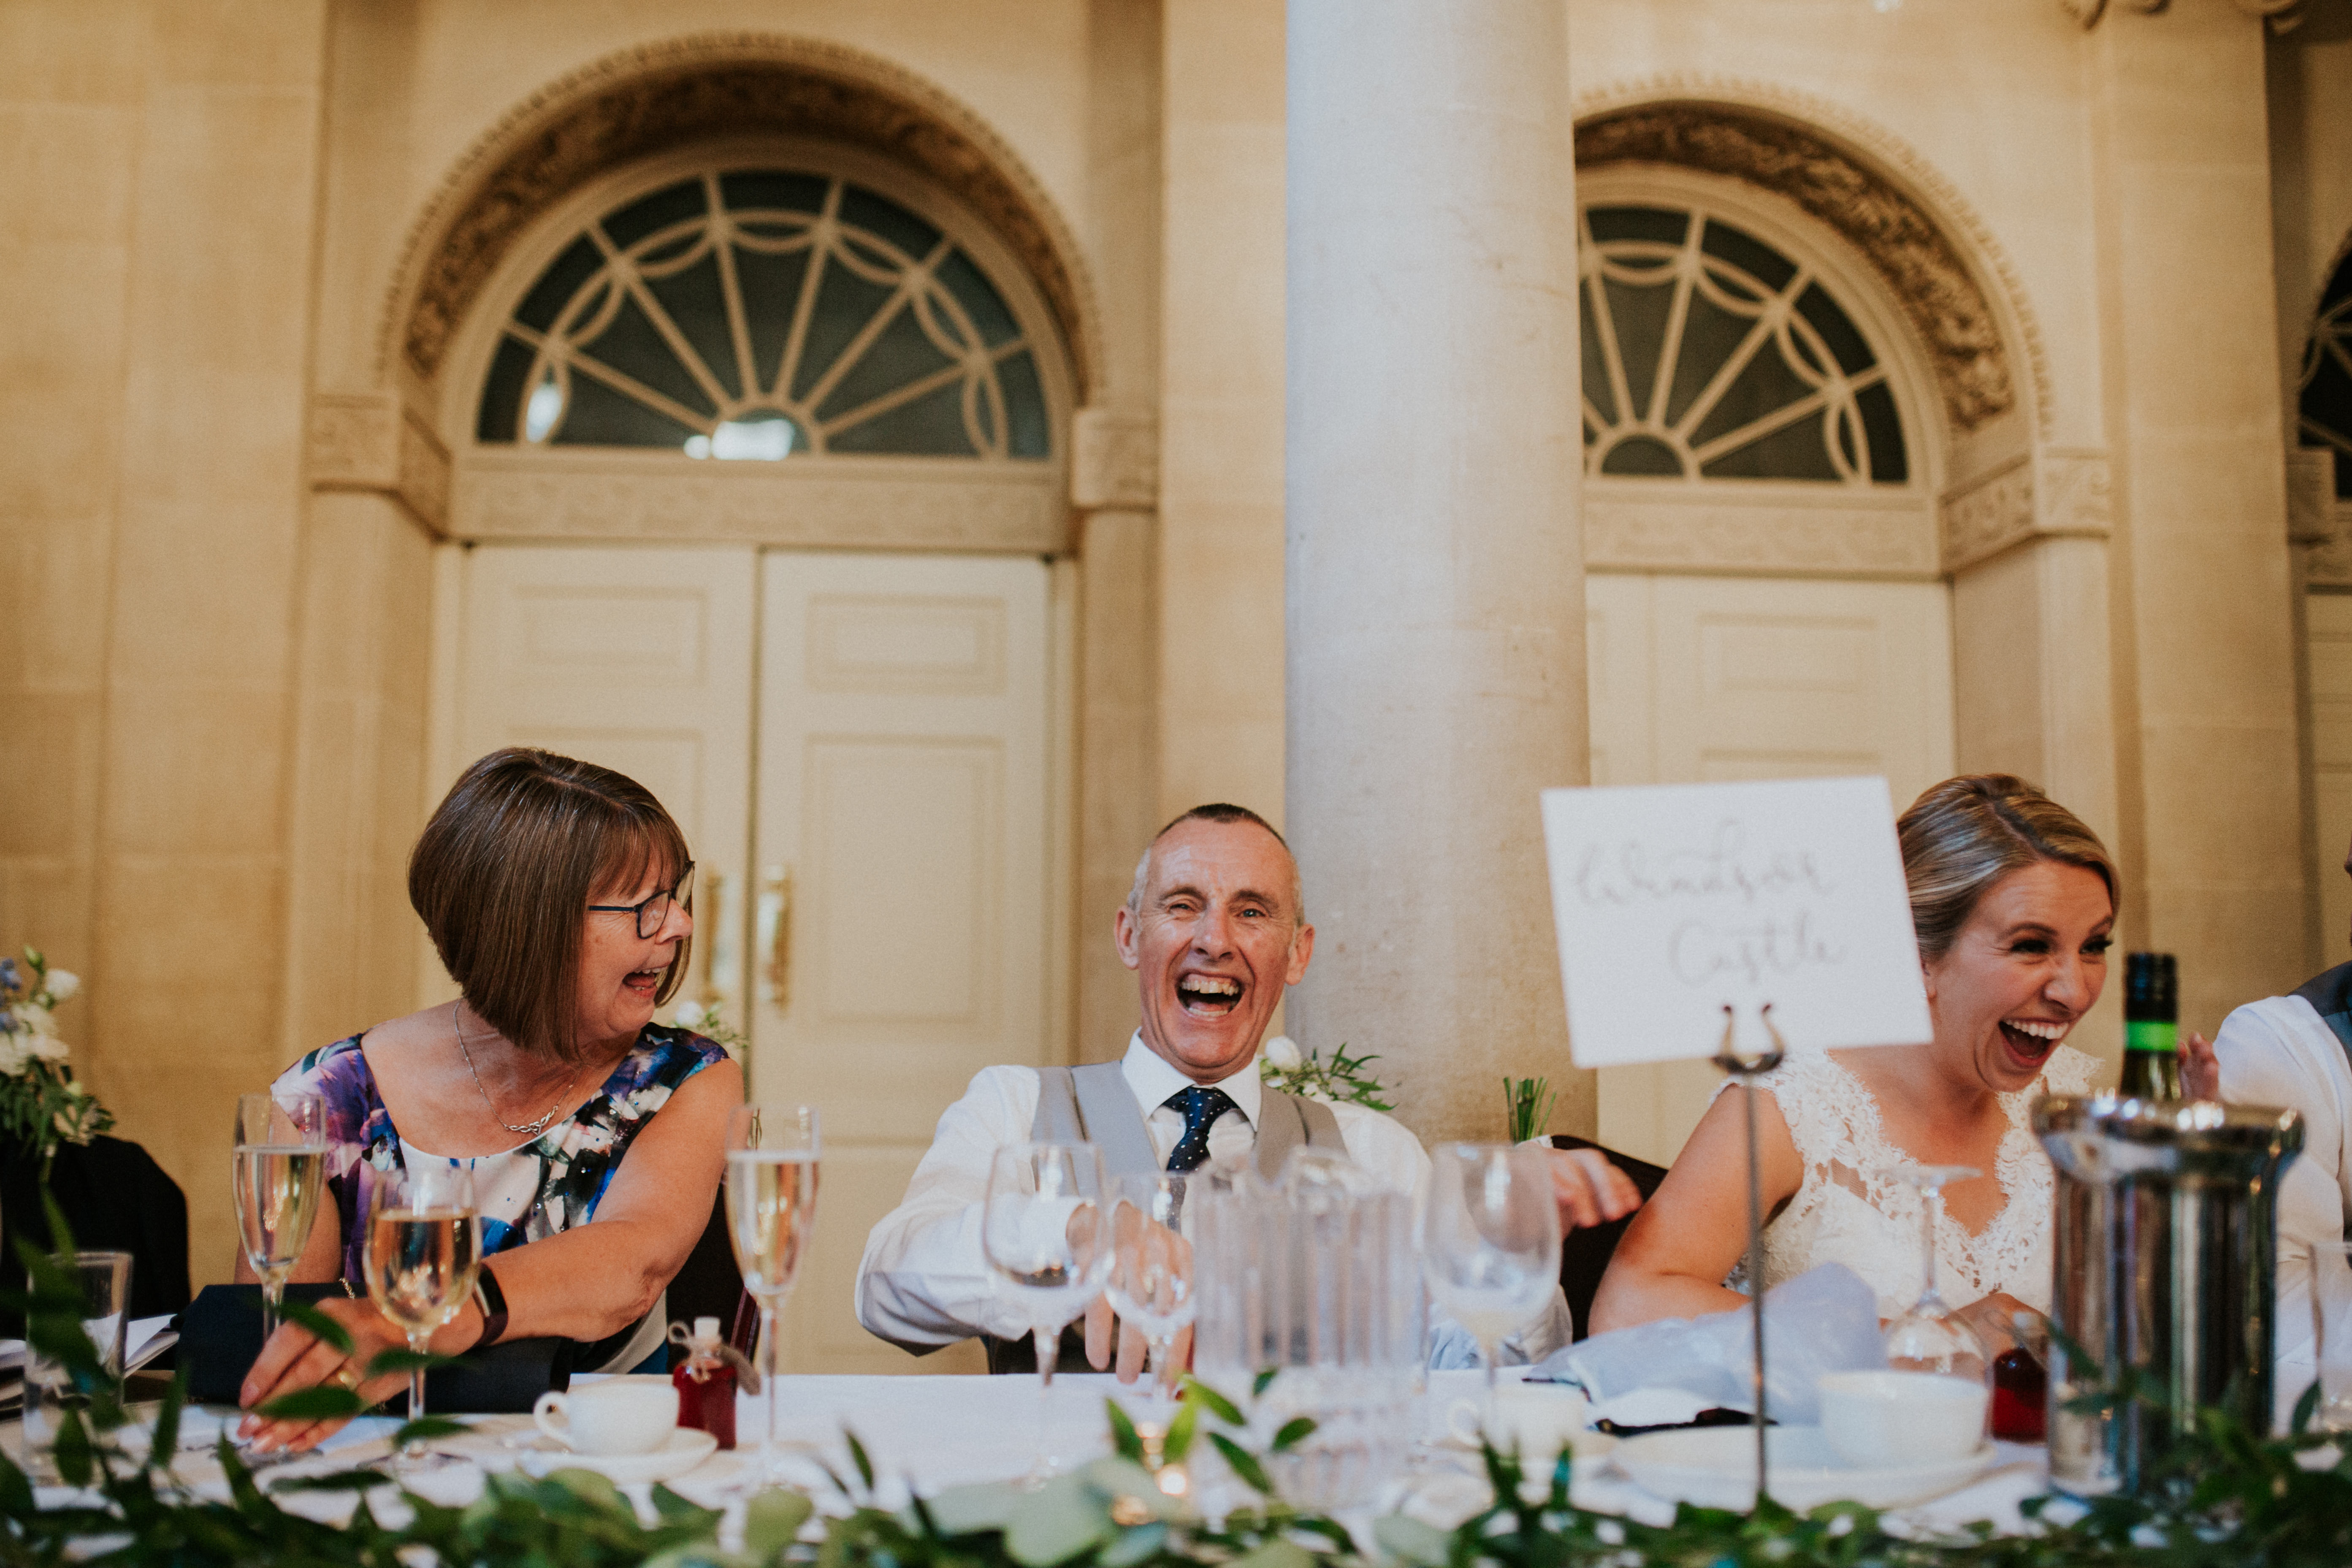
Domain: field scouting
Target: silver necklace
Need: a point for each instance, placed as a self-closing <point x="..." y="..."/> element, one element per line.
<point x="529" y="1129"/>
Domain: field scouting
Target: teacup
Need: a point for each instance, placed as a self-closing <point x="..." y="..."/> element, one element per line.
<point x="1539" y="1419"/>
<point x="622" y="1416"/>
<point x="1878" y="1420"/>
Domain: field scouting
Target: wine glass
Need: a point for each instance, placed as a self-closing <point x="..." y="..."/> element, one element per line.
<point x="1150" y="1282"/>
<point x="1044" y="1232"/>
<point x="423" y="1248"/>
<point x="1929" y="1338"/>
<point x="772" y="1170"/>
<point x="1490" y="1242"/>
<point x="278" y="1171"/>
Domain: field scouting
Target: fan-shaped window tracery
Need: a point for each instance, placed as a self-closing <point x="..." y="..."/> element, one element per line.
<point x="1708" y="355"/>
<point x="761" y="313"/>
<point x="2324" y="403"/>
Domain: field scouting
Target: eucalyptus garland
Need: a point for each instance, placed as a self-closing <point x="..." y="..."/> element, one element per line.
<point x="2232" y="1498"/>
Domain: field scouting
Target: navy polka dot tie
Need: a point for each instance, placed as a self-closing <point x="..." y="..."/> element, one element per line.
<point x="1201" y="1107"/>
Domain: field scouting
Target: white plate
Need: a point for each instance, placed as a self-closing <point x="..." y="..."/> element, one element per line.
<point x="1715" y="1467"/>
<point x="685" y="1448"/>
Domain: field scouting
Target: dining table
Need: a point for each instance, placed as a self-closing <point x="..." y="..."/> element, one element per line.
<point x="926" y="1434"/>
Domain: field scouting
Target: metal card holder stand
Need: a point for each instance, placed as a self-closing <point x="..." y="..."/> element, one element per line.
<point x="1748" y="1068"/>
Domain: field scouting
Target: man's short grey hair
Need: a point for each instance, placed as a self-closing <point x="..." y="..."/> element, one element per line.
<point x="1218" y="811"/>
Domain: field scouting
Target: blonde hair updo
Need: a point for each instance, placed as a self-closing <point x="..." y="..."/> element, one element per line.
<point x="1966" y="833"/>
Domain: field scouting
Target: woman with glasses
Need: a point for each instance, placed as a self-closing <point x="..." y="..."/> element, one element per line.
<point x="558" y="894"/>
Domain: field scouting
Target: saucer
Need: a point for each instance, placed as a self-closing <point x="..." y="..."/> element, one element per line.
<point x="680" y="1452"/>
<point x="1715" y="1467"/>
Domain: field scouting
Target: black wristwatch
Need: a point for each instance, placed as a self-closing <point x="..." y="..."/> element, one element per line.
<point x="493" y="1303"/>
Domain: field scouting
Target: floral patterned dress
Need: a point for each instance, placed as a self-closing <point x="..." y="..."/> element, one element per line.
<point x="535" y="1190"/>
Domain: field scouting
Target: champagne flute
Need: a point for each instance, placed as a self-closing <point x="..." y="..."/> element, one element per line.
<point x="1044" y="1232"/>
<point x="1490" y="1242"/>
<point x="772" y="1169"/>
<point x="1929" y="1338"/>
<point x="277" y="1172"/>
<point x="423" y="1248"/>
<point x="1150" y="1282"/>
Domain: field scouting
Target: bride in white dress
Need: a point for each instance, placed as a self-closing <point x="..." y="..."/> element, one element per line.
<point x="2012" y="899"/>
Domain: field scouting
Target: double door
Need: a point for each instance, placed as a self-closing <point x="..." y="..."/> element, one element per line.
<point x="858" y="749"/>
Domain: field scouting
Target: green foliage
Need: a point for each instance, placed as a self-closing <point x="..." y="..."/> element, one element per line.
<point x="42" y="1104"/>
<point x="1342" y="1080"/>
<point x="1526" y="1103"/>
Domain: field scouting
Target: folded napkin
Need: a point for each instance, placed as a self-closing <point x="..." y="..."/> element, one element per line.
<point x="1823" y="1321"/>
<point x="220" y="1335"/>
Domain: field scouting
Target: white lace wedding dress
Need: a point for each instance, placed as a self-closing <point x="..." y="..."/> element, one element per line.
<point x="1852" y="1210"/>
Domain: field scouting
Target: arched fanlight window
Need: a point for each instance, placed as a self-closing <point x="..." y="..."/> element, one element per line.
<point x="764" y="313"/>
<point x="1708" y="355"/>
<point x="2324" y="406"/>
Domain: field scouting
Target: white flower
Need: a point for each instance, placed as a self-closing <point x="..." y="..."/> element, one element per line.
<point x="1283" y="1052"/>
<point x="16" y="1050"/>
<point x="48" y="1047"/>
<point x="62" y="984"/>
<point x="32" y="1018"/>
<point x="690" y="1015"/>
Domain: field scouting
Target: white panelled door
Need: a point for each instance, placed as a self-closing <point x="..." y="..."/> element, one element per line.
<point x="1700" y="680"/>
<point x="2327" y="626"/>
<point x="639" y="659"/>
<point x="902" y="852"/>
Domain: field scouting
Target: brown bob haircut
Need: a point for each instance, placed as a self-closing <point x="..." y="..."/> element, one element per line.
<point x="503" y="874"/>
<point x="1966" y="833"/>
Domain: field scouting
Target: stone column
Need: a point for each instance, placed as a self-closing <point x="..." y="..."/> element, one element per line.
<point x="1435" y="608"/>
<point x="2204" y="660"/>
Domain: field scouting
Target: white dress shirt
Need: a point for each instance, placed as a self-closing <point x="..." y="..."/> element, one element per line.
<point x="924" y="1283"/>
<point x="2279" y="1052"/>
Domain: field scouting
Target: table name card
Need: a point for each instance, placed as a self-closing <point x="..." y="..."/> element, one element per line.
<point x="1673" y="902"/>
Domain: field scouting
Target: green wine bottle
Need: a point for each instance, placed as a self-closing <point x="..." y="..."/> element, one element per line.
<point x="2151" y="1026"/>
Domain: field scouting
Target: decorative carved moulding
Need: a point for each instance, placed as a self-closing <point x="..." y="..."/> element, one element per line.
<point x="1114" y="460"/>
<point x="874" y="505"/>
<point x="2283" y="15"/>
<point x="672" y="94"/>
<point x="368" y="441"/>
<point x="1632" y="526"/>
<point x="1927" y="276"/>
<point x="2052" y="492"/>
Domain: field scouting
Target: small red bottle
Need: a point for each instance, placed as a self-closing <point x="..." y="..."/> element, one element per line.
<point x="2021" y="1393"/>
<point x="705" y="1382"/>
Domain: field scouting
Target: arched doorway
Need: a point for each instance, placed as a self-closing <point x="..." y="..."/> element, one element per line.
<point x="758" y="446"/>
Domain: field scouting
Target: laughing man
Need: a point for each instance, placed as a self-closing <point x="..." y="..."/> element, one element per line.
<point x="1214" y="931"/>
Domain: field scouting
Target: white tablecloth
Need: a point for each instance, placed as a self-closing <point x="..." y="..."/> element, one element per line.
<point x="931" y="1433"/>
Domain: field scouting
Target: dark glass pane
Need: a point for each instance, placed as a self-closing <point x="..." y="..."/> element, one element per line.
<point x="1852" y="354"/>
<point x="1842" y="431"/>
<point x="1024" y="406"/>
<point x="1641" y="454"/>
<point x="1710" y="334"/>
<point x="635" y="348"/>
<point x="900" y="353"/>
<point x="1596" y="390"/>
<point x="932" y="424"/>
<point x="2344" y="476"/>
<point x="1592" y="433"/>
<point x="1751" y="255"/>
<point x="978" y="298"/>
<point x="1639" y="314"/>
<point x="1764" y="384"/>
<point x="1655" y="223"/>
<point x="2339" y="288"/>
<point x="888" y="220"/>
<point x="697" y="309"/>
<point x="2326" y="399"/>
<point x="772" y="189"/>
<point x="1792" y="452"/>
<point x="771" y="289"/>
<point x="1731" y="283"/>
<point x="500" y="414"/>
<point x="1889" y="462"/>
<point x="986" y="405"/>
<point x="556" y="286"/>
<point x="599" y="416"/>
<point x="646" y="214"/>
<point x="844" y="304"/>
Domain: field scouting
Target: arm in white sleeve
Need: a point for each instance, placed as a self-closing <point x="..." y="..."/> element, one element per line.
<point x="1387" y="1149"/>
<point x="924" y="1282"/>
<point x="2277" y="1052"/>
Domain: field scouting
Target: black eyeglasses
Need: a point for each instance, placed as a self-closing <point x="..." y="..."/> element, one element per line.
<point x="653" y="912"/>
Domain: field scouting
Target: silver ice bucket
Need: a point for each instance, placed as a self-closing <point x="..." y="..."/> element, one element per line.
<point x="2166" y="1257"/>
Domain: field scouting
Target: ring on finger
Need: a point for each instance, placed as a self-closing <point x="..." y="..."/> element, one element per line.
<point x="346" y="1376"/>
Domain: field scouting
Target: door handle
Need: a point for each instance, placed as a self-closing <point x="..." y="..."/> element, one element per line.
<point x="776" y="917"/>
<point x="710" y="892"/>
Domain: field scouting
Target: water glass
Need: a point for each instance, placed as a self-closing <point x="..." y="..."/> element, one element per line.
<point x="103" y="1280"/>
<point x="1046" y="1235"/>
